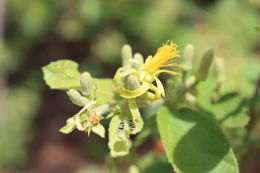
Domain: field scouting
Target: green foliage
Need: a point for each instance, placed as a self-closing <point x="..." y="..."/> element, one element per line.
<point x="151" y="163"/>
<point x="105" y="91"/>
<point x="230" y="110"/>
<point x="99" y="130"/>
<point x="194" y="144"/>
<point x="257" y="28"/>
<point x="47" y="27"/>
<point x="16" y="125"/>
<point x="62" y="75"/>
<point x="69" y="127"/>
<point x="189" y="127"/>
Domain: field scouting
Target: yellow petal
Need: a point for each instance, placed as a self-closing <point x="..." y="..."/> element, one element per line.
<point x="167" y="71"/>
<point x="160" y="86"/>
<point x="134" y="93"/>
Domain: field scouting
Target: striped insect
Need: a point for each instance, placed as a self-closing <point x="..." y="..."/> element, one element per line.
<point x="121" y="126"/>
<point x="131" y="125"/>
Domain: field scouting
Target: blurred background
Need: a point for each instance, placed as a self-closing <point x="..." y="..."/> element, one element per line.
<point x="92" y="32"/>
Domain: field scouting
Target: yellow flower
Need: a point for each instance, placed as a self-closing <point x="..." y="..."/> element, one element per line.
<point x="148" y="73"/>
<point x="163" y="55"/>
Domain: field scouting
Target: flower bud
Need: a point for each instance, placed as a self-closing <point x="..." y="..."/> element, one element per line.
<point x="205" y="63"/>
<point x="139" y="60"/>
<point x="190" y="98"/>
<point x="86" y="83"/>
<point x="190" y="81"/>
<point x="77" y="98"/>
<point x="132" y="82"/>
<point x="187" y="57"/>
<point x="220" y="70"/>
<point x="126" y="54"/>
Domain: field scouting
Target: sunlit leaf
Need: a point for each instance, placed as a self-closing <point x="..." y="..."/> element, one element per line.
<point x="69" y="127"/>
<point x="230" y="111"/>
<point x="62" y="75"/>
<point x="194" y="144"/>
<point x="99" y="130"/>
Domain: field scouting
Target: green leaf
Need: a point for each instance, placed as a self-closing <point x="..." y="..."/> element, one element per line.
<point x="194" y="144"/>
<point x="151" y="163"/>
<point x="69" y="127"/>
<point x="62" y="75"/>
<point x="136" y="122"/>
<point x="99" y="130"/>
<point x="119" y="142"/>
<point x="247" y="78"/>
<point x="105" y="91"/>
<point x="230" y="111"/>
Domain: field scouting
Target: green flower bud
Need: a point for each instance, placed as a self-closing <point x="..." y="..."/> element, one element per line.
<point x="139" y="60"/>
<point x="190" y="98"/>
<point x="187" y="57"/>
<point x="126" y="54"/>
<point x="86" y="83"/>
<point x="205" y="63"/>
<point x="132" y="82"/>
<point x="190" y="81"/>
<point x="76" y="98"/>
<point x="220" y="70"/>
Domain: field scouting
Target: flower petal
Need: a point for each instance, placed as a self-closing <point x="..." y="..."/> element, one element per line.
<point x="160" y="86"/>
<point x="134" y="93"/>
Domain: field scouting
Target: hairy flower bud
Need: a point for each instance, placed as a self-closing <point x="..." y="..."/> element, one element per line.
<point x="187" y="57"/>
<point x="205" y="63"/>
<point x="190" y="81"/>
<point x="132" y="82"/>
<point x="220" y="70"/>
<point x="139" y="61"/>
<point x="77" y="98"/>
<point x="126" y="54"/>
<point x="139" y="58"/>
<point x="86" y="83"/>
